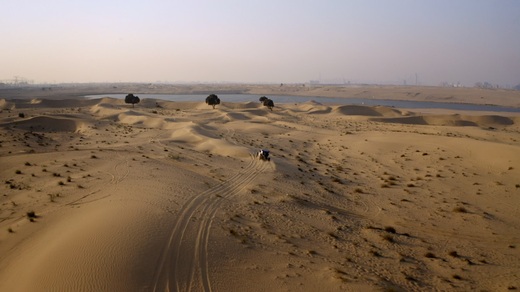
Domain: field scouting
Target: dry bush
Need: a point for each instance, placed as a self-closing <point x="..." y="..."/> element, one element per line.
<point x="460" y="210"/>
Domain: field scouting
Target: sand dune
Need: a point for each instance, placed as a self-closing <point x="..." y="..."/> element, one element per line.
<point x="48" y="124"/>
<point x="355" y="110"/>
<point x="168" y="196"/>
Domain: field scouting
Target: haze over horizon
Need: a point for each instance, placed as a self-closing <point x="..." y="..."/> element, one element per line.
<point x="385" y="42"/>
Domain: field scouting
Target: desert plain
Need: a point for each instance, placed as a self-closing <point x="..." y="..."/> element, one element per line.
<point x="99" y="195"/>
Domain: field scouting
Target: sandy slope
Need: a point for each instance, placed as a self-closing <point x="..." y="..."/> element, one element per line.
<point x="170" y="198"/>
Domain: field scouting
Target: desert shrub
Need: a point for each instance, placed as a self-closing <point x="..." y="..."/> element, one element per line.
<point x="460" y="210"/>
<point x="454" y="254"/>
<point x="390" y="229"/>
<point x="430" y="255"/>
<point x="388" y="238"/>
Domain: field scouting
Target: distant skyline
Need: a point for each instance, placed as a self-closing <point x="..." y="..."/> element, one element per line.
<point x="361" y="41"/>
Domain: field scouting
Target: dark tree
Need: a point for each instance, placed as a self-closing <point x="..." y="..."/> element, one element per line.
<point x="133" y="99"/>
<point x="268" y="103"/>
<point x="212" y="100"/>
<point x="262" y="99"/>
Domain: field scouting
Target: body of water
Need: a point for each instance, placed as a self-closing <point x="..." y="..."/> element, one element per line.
<point x="324" y="100"/>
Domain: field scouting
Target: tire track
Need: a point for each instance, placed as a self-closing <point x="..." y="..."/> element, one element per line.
<point x="116" y="177"/>
<point x="210" y="210"/>
<point x="186" y="255"/>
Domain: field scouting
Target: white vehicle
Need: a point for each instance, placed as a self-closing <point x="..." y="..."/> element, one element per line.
<point x="264" y="155"/>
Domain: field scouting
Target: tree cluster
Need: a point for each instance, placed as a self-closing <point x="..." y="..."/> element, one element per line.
<point x="133" y="99"/>
<point x="267" y="102"/>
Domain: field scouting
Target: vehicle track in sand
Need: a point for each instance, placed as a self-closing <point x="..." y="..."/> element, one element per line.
<point x="184" y="264"/>
<point x="120" y="172"/>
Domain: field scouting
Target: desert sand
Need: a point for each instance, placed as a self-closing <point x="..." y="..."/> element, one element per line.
<point x="168" y="196"/>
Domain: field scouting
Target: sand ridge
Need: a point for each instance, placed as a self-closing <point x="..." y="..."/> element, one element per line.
<point x="169" y="196"/>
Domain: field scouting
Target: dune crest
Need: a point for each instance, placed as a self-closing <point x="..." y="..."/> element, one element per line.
<point x="451" y="120"/>
<point x="373" y="111"/>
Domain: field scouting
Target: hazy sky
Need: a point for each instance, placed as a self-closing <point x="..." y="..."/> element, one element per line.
<point x="386" y="41"/>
